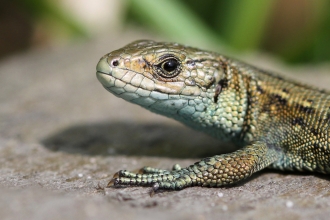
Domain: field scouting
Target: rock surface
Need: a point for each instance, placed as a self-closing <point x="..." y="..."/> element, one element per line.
<point x="62" y="136"/>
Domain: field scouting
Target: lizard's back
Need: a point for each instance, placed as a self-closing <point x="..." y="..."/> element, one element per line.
<point x="296" y="118"/>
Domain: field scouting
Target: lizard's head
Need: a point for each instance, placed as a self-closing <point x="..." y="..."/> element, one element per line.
<point x="166" y="78"/>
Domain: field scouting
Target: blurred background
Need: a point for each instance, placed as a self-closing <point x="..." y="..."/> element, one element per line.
<point x="295" y="31"/>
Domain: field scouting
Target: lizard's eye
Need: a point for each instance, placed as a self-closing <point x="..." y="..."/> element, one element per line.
<point x="169" y="68"/>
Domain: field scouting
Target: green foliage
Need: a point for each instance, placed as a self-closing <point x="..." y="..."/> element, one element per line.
<point x="238" y="24"/>
<point x="39" y="9"/>
<point x="175" y="20"/>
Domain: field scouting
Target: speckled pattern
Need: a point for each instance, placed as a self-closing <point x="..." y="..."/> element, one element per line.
<point x="277" y="122"/>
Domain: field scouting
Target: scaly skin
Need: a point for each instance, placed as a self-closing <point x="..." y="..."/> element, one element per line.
<point x="278" y="123"/>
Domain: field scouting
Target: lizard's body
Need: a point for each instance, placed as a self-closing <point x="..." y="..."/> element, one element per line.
<point x="279" y="123"/>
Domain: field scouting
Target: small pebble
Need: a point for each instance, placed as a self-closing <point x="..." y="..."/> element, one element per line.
<point x="289" y="204"/>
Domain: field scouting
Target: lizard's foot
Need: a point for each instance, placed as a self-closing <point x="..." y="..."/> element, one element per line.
<point x="147" y="176"/>
<point x="176" y="178"/>
<point x="214" y="171"/>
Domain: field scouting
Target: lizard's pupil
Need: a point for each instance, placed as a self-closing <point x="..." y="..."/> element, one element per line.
<point x="170" y="65"/>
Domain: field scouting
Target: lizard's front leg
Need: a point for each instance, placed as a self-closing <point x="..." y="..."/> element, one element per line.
<point x="214" y="171"/>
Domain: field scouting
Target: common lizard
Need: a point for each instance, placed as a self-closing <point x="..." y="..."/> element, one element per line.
<point x="278" y="123"/>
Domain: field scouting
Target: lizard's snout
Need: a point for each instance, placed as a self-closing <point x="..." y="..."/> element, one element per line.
<point x="104" y="72"/>
<point x="103" y="66"/>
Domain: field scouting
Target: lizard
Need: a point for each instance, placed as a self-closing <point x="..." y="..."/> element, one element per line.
<point x="277" y="123"/>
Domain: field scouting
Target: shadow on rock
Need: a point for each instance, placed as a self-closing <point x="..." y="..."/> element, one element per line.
<point x="135" y="139"/>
